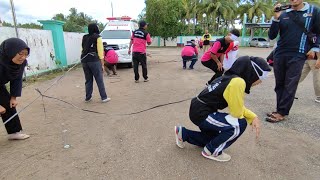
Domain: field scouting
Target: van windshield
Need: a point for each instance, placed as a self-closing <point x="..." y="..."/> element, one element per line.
<point x="116" y="34"/>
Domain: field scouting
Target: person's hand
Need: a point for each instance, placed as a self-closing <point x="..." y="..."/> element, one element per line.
<point x="129" y="51"/>
<point x="276" y="15"/>
<point x="13" y="102"/>
<point x="219" y="66"/>
<point x="317" y="66"/>
<point x="311" y="54"/>
<point x="2" y="110"/>
<point x="256" y="125"/>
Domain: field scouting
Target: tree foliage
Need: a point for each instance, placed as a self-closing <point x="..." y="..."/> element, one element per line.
<point x="76" y="22"/>
<point x="164" y="17"/>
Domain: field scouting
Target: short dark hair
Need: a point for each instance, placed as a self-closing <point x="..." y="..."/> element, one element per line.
<point x="235" y="32"/>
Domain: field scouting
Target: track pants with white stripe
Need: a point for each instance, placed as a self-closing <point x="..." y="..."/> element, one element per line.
<point x="217" y="132"/>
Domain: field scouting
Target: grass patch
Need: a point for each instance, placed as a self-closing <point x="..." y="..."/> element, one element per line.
<point x="47" y="75"/>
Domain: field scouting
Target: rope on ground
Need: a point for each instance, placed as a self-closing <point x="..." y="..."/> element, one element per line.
<point x="55" y="82"/>
<point x="50" y="97"/>
<point x="154" y="107"/>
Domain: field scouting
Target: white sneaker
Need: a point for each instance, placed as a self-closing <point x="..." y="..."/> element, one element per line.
<point x="178" y="134"/>
<point x="223" y="157"/>
<point x="317" y="99"/>
<point x="18" y="136"/>
<point x="105" y="100"/>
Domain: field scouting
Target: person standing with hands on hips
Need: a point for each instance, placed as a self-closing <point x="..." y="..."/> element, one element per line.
<point x="13" y="55"/>
<point x="139" y="39"/>
<point x="299" y="29"/>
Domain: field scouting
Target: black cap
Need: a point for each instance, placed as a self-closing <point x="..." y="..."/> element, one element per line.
<point x="142" y="24"/>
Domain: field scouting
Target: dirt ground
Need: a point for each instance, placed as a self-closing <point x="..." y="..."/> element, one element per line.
<point x="142" y="146"/>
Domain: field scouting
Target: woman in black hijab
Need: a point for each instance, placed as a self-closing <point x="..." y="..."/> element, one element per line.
<point x="13" y="54"/>
<point x="92" y="59"/>
<point x="219" y="130"/>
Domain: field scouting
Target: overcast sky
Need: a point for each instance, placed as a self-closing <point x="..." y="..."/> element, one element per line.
<point x="32" y="10"/>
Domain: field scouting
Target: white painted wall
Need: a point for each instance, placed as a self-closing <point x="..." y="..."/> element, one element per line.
<point x="41" y="46"/>
<point x="72" y="43"/>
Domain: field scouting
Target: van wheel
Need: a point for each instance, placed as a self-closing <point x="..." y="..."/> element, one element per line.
<point x="129" y="65"/>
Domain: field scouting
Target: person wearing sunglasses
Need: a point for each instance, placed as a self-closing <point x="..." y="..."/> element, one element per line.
<point x="218" y="130"/>
<point x="13" y="55"/>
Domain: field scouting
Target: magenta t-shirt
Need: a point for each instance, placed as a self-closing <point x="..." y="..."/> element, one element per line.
<point x="140" y="38"/>
<point x="111" y="57"/>
<point x="214" y="50"/>
<point x="189" y="51"/>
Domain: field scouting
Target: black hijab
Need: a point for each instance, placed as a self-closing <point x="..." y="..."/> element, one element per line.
<point x="9" y="48"/>
<point x="93" y="29"/>
<point x="243" y="68"/>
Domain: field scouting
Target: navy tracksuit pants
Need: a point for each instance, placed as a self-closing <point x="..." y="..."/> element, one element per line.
<point x="217" y="132"/>
<point x="287" y="72"/>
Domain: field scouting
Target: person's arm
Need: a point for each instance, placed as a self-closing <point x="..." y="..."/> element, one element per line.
<point x="274" y="29"/>
<point x="148" y="39"/>
<point x="213" y="51"/>
<point x="100" y="50"/>
<point x="316" y="30"/>
<point x="130" y="44"/>
<point x="196" y="50"/>
<point x="234" y="95"/>
<point x="317" y="66"/>
<point x="209" y="37"/>
<point x="16" y="87"/>
<point x="222" y="58"/>
<point x="202" y="38"/>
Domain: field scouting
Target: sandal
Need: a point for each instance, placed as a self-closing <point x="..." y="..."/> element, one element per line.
<point x="271" y="114"/>
<point x="273" y="119"/>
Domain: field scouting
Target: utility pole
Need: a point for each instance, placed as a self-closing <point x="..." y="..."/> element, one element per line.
<point x="111" y="9"/>
<point x="14" y="18"/>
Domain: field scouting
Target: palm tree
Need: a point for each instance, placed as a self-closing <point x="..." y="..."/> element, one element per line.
<point x="220" y="11"/>
<point x="256" y="9"/>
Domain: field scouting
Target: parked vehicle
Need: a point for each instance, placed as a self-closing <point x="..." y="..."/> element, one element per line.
<point x="259" y="42"/>
<point x="117" y="34"/>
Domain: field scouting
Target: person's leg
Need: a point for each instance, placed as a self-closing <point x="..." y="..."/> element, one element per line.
<point x="135" y="60"/>
<point x="193" y="61"/>
<point x="230" y="130"/>
<point x="113" y="69"/>
<point x="279" y="69"/>
<point x="211" y="65"/>
<point x="143" y="60"/>
<point x="98" y="76"/>
<point x="14" y="125"/>
<point x="316" y="79"/>
<point x="184" y="62"/>
<point x="293" y="68"/>
<point x="106" y="68"/>
<point x="89" y="81"/>
<point x="305" y="70"/>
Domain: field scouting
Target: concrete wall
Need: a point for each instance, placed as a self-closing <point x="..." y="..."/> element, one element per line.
<point x="41" y="48"/>
<point x="73" y="46"/>
<point x="42" y="57"/>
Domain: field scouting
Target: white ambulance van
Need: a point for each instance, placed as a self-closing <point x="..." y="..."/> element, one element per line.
<point x="117" y="34"/>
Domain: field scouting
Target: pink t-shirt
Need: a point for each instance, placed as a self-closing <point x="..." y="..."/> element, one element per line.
<point x="111" y="57"/>
<point x="189" y="51"/>
<point x="140" y="38"/>
<point x="214" y="50"/>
